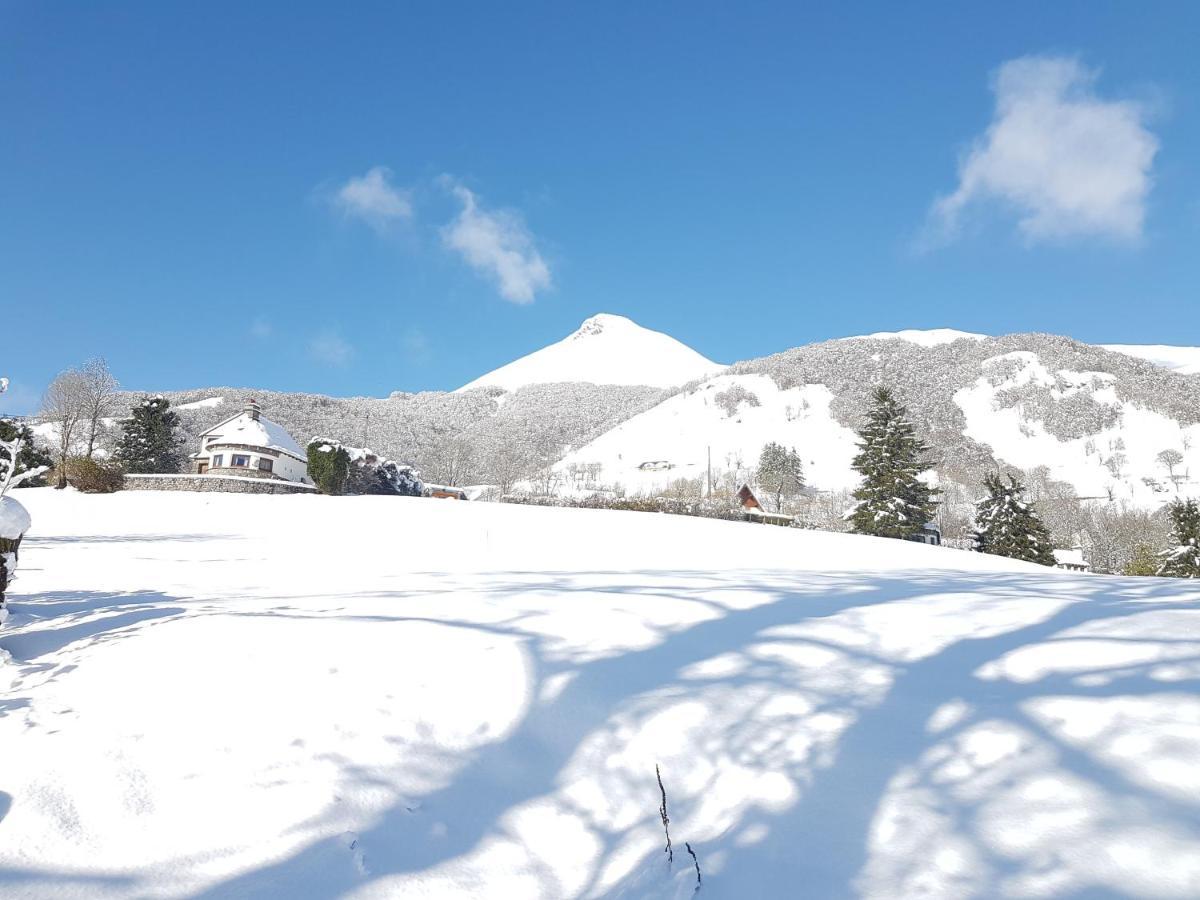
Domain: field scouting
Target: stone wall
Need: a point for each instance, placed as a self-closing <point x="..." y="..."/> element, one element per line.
<point x="231" y="484"/>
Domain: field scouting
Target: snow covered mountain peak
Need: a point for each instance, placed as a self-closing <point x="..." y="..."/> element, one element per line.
<point x="605" y="349"/>
<point x="599" y="322"/>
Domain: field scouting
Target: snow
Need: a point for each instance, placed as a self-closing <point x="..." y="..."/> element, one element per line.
<point x="1137" y="437"/>
<point x="674" y="437"/>
<point x="207" y="403"/>
<point x="606" y="349"/>
<point x="14" y="518"/>
<point x="256" y="432"/>
<point x="1184" y="360"/>
<point x="1072" y="557"/>
<point x="301" y="696"/>
<point x="929" y="337"/>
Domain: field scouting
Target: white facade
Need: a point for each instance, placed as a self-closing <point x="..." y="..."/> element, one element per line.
<point x="250" y="446"/>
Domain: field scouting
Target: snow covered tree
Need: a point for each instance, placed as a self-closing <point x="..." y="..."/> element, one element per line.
<point x="892" y="500"/>
<point x="1142" y="561"/>
<point x="149" y="444"/>
<point x="328" y="465"/>
<point x="1006" y="525"/>
<point x="780" y="472"/>
<point x="29" y="456"/>
<point x="1183" y="559"/>
<point x="14" y="519"/>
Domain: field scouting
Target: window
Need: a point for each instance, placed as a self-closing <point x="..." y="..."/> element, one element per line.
<point x="264" y="464"/>
<point x="218" y="461"/>
<point x="240" y="460"/>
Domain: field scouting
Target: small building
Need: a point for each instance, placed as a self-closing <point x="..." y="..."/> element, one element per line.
<point x="929" y="534"/>
<point x="1072" y="560"/>
<point x="445" y="492"/>
<point x="251" y="446"/>
<point x="753" y="510"/>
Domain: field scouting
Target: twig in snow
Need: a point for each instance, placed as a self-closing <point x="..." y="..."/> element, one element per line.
<point x="697" y="864"/>
<point x="662" y="811"/>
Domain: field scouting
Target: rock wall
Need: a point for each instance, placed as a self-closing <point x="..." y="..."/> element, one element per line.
<point x="228" y="484"/>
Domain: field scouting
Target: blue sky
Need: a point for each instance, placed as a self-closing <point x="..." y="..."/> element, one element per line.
<point x="355" y="200"/>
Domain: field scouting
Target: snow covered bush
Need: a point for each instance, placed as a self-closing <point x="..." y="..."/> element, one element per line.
<point x="336" y="469"/>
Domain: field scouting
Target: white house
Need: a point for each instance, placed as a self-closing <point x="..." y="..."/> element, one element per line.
<point x="251" y="446"/>
<point x="1072" y="560"/>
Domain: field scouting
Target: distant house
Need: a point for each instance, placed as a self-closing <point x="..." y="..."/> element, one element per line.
<point x="655" y="465"/>
<point x="1072" y="560"/>
<point x="929" y="534"/>
<point x="251" y="446"/>
<point x="753" y="510"/>
<point x="442" y="492"/>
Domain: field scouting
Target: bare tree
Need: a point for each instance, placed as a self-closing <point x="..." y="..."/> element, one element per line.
<point x="450" y="460"/>
<point x="100" y="398"/>
<point x="1169" y="459"/>
<point x="65" y="405"/>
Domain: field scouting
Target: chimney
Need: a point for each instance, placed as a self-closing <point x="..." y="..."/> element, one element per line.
<point x="252" y="409"/>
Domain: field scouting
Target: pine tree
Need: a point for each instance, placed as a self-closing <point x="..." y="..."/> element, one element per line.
<point x="29" y="456"/>
<point x="328" y="465"/>
<point x="149" y="444"/>
<point x="1183" y="559"/>
<point x="892" y="500"/>
<point x="780" y="472"/>
<point x="1006" y="525"/>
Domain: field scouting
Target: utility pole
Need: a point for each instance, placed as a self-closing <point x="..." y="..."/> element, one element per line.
<point x="710" y="471"/>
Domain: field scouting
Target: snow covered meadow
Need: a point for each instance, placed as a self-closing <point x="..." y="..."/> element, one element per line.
<point x="217" y="695"/>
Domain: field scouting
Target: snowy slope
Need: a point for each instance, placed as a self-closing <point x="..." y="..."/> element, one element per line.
<point x="467" y="700"/>
<point x="929" y="337"/>
<point x="1097" y="420"/>
<point x="606" y="349"/>
<point x="673" y="440"/>
<point x="1184" y="360"/>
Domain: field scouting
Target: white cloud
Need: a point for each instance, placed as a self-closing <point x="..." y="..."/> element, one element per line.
<point x="497" y="245"/>
<point x="373" y="199"/>
<point x="329" y="347"/>
<point x="1070" y="163"/>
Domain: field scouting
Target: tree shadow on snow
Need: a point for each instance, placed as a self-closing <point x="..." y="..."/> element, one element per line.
<point x="821" y="839"/>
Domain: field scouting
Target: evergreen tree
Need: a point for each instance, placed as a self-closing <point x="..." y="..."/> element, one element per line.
<point x="1183" y="559"/>
<point x="29" y="456"/>
<point x="780" y="472"/>
<point x="328" y="465"/>
<point x="149" y="444"/>
<point x="1006" y="525"/>
<point x="892" y="500"/>
<point x="1144" y="561"/>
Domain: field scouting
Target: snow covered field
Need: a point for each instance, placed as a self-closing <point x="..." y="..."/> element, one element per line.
<point x="297" y="696"/>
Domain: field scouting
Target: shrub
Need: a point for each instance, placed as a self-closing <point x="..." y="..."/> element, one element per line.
<point x="328" y="465"/>
<point x="94" y="476"/>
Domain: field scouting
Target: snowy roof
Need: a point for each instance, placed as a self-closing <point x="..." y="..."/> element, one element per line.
<point x="1072" y="557"/>
<point x="255" y="432"/>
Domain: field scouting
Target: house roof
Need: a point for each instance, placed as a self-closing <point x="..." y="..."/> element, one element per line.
<point x="261" y="432"/>
<point x="1073" y="557"/>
